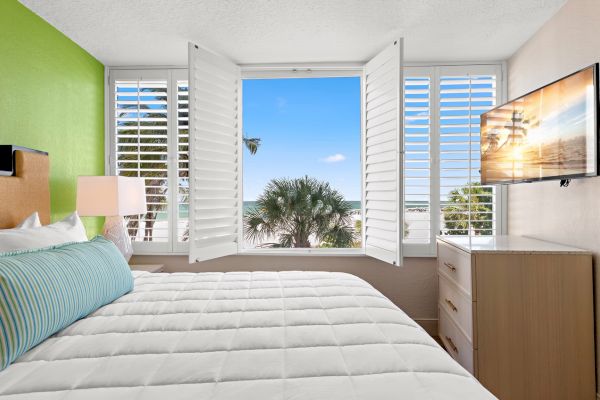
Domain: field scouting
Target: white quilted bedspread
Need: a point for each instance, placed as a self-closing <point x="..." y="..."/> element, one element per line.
<point x="242" y="335"/>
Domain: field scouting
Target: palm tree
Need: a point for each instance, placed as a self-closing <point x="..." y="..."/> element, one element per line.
<point x="252" y="144"/>
<point x="149" y="141"/>
<point x="456" y="213"/>
<point x="296" y="211"/>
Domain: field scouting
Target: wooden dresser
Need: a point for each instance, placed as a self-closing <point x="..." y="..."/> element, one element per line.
<point x="518" y="314"/>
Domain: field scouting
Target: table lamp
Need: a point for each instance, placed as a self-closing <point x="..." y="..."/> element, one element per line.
<point x="112" y="197"/>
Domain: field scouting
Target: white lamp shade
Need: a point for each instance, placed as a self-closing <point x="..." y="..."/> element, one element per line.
<point x="103" y="196"/>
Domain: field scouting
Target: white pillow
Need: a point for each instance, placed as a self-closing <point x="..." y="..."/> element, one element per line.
<point x="68" y="230"/>
<point x="33" y="221"/>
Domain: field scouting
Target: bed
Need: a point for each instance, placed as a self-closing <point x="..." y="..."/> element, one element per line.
<point x="242" y="335"/>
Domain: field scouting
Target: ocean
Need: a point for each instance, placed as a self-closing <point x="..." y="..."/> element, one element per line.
<point x="183" y="208"/>
<point x="355" y="204"/>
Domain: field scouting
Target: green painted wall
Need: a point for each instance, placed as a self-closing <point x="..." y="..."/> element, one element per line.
<point x="51" y="99"/>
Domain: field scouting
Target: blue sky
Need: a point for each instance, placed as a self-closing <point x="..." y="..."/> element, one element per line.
<point x="308" y="126"/>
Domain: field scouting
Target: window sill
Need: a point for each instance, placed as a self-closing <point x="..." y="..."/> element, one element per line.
<point x="303" y="252"/>
<point x="145" y="252"/>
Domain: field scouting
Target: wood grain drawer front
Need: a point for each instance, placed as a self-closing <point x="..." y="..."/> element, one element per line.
<point x="455" y="264"/>
<point x="456" y="343"/>
<point x="457" y="305"/>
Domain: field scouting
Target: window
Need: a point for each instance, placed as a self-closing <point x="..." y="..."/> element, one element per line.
<point x="443" y="194"/>
<point x="216" y="151"/>
<point x="153" y="136"/>
<point x="149" y="139"/>
<point x="310" y="128"/>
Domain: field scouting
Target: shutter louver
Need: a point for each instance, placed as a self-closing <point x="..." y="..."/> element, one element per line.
<point x="141" y="140"/>
<point x="214" y="87"/>
<point x="382" y="143"/>
<point x="417" y="159"/>
<point x="467" y="208"/>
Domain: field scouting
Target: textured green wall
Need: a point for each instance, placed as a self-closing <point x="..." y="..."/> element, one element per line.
<point x="51" y="99"/>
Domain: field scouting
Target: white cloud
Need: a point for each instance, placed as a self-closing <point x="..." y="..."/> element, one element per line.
<point x="281" y="103"/>
<point x="334" y="158"/>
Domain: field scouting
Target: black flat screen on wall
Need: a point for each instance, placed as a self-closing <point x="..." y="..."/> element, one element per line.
<point x="550" y="133"/>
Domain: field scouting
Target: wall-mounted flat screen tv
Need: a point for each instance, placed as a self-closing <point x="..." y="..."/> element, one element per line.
<point x="550" y="133"/>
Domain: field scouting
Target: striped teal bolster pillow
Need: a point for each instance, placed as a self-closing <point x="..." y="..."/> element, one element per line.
<point x="43" y="291"/>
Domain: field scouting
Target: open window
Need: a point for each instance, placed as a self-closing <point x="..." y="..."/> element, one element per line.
<point x="216" y="140"/>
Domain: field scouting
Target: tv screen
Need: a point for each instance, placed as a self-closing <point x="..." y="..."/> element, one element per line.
<point x="550" y="133"/>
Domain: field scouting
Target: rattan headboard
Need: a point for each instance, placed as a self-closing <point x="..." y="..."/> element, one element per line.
<point x="27" y="189"/>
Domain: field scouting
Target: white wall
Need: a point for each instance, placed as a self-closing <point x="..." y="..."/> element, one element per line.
<point x="567" y="42"/>
<point x="412" y="287"/>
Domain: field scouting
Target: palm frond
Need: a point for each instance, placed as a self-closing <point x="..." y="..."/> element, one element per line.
<point x="252" y="144"/>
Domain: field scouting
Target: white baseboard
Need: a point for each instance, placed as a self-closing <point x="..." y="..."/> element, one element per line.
<point x="431" y="326"/>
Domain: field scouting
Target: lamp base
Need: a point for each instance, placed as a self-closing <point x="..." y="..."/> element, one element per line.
<point x="116" y="231"/>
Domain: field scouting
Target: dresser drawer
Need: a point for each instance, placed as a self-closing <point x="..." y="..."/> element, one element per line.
<point x="455" y="264"/>
<point x="457" y="305"/>
<point x="456" y="343"/>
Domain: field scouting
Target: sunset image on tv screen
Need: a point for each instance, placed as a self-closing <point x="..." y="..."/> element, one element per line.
<point x="549" y="133"/>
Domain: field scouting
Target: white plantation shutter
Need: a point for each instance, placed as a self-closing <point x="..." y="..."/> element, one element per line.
<point x="140" y="149"/>
<point x="442" y="112"/>
<point x="418" y="222"/>
<point x="382" y="155"/>
<point x="467" y="208"/>
<point x="215" y="146"/>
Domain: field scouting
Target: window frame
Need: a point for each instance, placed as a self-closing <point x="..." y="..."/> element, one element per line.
<point x="433" y="70"/>
<point x="171" y="75"/>
<point x="284" y="71"/>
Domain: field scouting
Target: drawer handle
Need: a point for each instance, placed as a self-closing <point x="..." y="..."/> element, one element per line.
<point x="452" y="345"/>
<point x="450" y="266"/>
<point x="451" y="305"/>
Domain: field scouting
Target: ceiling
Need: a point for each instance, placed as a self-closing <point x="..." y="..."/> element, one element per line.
<point x="156" y="32"/>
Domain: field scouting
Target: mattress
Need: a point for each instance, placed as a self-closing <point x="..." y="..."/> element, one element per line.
<point x="242" y="335"/>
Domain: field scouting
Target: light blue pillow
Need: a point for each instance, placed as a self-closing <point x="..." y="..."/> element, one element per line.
<point x="43" y="291"/>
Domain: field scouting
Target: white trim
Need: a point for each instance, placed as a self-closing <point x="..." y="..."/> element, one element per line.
<point x="286" y="71"/>
<point x="191" y="149"/>
<point x="451" y="63"/>
<point x="172" y="206"/>
<point x="400" y="190"/>
<point x="349" y="66"/>
<point x="300" y="71"/>
<point x="502" y="218"/>
<point x="349" y="252"/>
<point x="363" y="157"/>
<point x="240" y="164"/>
<point x="176" y="75"/>
<point x="435" y="162"/>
